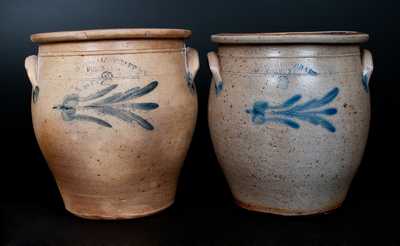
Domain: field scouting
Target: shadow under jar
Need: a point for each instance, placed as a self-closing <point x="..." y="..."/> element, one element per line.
<point x="289" y="117"/>
<point x="114" y="113"/>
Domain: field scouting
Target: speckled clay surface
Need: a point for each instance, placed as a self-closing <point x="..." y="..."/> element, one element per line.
<point x="289" y="122"/>
<point x="114" y="113"/>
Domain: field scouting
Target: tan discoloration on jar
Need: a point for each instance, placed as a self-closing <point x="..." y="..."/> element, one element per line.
<point x="289" y="122"/>
<point x="114" y="158"/>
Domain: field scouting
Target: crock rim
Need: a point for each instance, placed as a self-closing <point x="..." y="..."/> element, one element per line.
<point x="107" y="34"/>
<point x="318" y="37"/>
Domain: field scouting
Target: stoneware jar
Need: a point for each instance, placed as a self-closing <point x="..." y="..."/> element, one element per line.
<point x="289" y="117"/>
<point x="114" y="113"/>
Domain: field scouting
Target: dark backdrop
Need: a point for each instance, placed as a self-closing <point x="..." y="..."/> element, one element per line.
<point x="31" y="210"/>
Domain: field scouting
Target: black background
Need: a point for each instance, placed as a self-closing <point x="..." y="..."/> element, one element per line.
<point x="31" y="209"/>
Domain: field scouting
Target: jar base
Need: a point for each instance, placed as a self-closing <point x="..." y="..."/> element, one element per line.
<point x="119" y="216"/>
<point x="286" y="212"/>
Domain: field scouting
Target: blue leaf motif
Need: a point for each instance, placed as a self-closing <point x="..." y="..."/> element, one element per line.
<point x="329" y="111"/>
<point x="327" y="125"/>
<point x="288" y="112"/>
<point x="115" y="105"/>
<point x="258" y="112"/>
<point x="330" y="96"/>
<point x="98" y="94"/>
<point x="260" y="106"/>
<point x="144" y="106"/>
<point x="288" y="103"/>
<point x="314" y="119"/>
<point x="92" y="119"/>
<point x="316" y="103"/>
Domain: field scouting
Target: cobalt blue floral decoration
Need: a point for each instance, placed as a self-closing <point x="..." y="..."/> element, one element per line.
<point x="291" y="110"/>
<point x="115" y="105"/>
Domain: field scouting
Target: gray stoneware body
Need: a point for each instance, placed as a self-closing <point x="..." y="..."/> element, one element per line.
<point x="289" y="123"/>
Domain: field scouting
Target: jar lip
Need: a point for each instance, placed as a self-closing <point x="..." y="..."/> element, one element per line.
<point x="107" y="34"/>
<point x="320" y="37"/>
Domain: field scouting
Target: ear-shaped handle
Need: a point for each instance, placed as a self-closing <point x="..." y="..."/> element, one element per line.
<point x="31" y="69"/>
<point x="368" y="67"/>
<point x="215" y="68"/>
<point x="193" y="63"/>
<point x="192" y="66"/>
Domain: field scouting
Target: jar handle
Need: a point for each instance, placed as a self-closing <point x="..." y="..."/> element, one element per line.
<point x="192" y="66"/>
<point x="31" y="69"/>
<point x="215" y="68"/>
<point x="368" y="67"/>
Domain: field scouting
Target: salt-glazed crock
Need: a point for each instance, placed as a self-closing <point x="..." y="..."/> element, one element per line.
<point x="114" y="113"/>
<point x="289" y="117"/>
